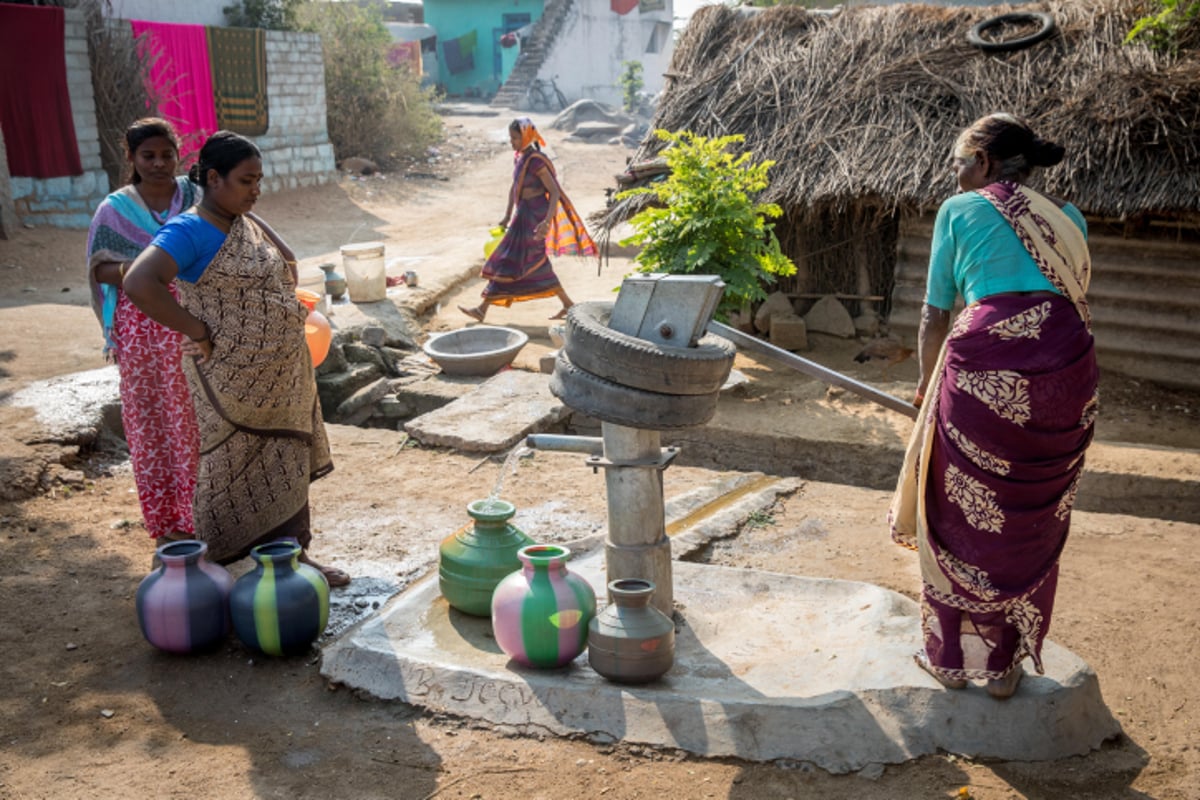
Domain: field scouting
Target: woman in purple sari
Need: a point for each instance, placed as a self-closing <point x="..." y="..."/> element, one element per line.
<point x="1007" y="398"/>
<point x="545" y="224"/>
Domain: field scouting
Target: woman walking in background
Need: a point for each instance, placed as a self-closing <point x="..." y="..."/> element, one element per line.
<point x="545" y="223"/>
<point x="156" y="406"/>
<point x="262" y="439"/>
<point x="1007" y="398"/>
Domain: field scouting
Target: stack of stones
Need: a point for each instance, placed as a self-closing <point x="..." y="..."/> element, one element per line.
<point x="777" y="317"/>
<point x="362" y="379"/>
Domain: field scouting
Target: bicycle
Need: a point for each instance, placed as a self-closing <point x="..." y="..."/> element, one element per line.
<point x="544" y="95"/>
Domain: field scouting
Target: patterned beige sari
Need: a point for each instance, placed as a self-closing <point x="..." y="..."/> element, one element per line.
<point x="262" y="439"/>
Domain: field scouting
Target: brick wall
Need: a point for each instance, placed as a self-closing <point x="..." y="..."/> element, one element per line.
<point x="296" y="148"/>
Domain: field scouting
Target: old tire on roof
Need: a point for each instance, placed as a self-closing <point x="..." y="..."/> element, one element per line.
<point x="629" y="361"/>
<point x="1044" y="21"/>
<point x="622" y="405"/>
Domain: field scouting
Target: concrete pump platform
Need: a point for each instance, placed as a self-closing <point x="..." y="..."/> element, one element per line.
<point x="767" y="667"/>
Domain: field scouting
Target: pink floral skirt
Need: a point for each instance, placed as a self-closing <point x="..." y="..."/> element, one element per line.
<point x="160" y="424"/>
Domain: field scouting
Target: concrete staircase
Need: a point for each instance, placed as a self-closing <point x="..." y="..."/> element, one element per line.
<point x="514" y="92"/>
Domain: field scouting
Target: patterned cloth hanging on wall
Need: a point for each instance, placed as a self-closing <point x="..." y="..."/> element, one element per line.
<point x="460" y="53"/>
<point x="35" y="107"/>
<point x="405" y="54"/>
<point x="181" y="79"/>
<point x="239" y="78"/>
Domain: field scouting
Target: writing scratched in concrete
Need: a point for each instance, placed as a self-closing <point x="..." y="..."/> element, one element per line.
<point x="422" y="683"/>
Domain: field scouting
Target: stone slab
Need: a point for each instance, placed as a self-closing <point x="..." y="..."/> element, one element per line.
<point x="494" y="417"/>
<point x="768" y="667"/>
<point x="72" y="409"/>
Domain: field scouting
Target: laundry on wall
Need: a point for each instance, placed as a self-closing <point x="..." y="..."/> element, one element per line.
<point x="239" y="70"/>
<point x="207" y="78"/>
<point x="459" y="53"/>
<point x="35" y="105"/>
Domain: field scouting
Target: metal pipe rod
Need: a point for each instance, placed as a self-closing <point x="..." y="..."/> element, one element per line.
<point x="814" y="369"/>
<point x="637" y="545"/>
<point x="591" y="445"/>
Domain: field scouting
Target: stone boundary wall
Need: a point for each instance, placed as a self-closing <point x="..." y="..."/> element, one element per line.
<point x="8" y="212"/>
<point x="68" y="201"/>
<point x="296" y="148"/>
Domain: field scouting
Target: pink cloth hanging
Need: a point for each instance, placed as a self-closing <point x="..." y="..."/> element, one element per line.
<point x="182" y="79"/>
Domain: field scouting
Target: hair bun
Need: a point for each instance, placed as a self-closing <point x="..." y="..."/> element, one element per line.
<point x="194" y="173"/>
<point x="1045" y="154"/>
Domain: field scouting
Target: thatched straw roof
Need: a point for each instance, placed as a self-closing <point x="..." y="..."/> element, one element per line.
<point x="861" y="108"/>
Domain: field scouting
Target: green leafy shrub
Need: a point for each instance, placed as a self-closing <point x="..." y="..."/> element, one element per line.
<point x="375" y="110"/>
<point x="705" y="221"/>
<point x="631" y="83"/>
<point x="278" y="15"/>
<point x="1173" y="27"/>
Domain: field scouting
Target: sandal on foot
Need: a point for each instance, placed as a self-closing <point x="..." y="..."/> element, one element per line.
<point x="334" y="576"/>
<point x="950" y="683"/>
<point x="473" y="313"/>
<point x="1006" y="687"/>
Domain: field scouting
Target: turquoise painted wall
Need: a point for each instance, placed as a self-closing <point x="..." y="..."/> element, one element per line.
<point x="492" y="63"/>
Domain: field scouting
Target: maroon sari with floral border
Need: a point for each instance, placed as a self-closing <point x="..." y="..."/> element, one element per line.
<point x="992" y="469"/>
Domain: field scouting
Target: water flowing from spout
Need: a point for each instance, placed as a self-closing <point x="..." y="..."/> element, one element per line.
<point x="509" y="467"/>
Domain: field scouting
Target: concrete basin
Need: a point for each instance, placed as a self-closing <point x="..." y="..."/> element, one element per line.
<point x="482" y="350"/>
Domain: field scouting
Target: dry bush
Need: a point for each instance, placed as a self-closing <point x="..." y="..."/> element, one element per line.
<point x="118" y="83"/>
<point x="375" y="110"/>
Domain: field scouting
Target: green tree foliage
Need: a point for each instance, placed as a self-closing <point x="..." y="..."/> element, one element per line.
<point x="276" y="15"/>
<point x="706" y="221"/>
<point x="375" y="110"/>
<point x="631" y="83"/>
<point x="1171" y="26"/>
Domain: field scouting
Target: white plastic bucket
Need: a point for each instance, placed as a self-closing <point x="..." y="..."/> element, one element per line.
<point x="366" y="277"/>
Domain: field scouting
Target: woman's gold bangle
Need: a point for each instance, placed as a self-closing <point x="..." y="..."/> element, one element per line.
<point x="124" y="265"/>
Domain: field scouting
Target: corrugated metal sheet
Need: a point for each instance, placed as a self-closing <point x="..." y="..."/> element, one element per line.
<point x="1145" y="300"/>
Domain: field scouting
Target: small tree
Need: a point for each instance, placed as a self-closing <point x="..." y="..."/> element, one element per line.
<point x="120" y="63"/>
<point x="631" y="83"/>
<point x="374" y="110"/>
<point x="279" y="15"/>
<point x="706" y="222"/>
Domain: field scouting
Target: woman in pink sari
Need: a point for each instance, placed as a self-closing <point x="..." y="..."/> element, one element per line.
<point x="1007" y="398"/>
<point x="156" y="406"/>
<point x="262" y="441"/>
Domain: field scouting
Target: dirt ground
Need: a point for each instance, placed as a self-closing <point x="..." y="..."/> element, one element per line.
<point x="89" y="710"/>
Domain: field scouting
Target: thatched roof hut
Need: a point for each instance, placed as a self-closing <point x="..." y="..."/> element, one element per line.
<point x="859" y="110"/>
<point x="867" y="102"/>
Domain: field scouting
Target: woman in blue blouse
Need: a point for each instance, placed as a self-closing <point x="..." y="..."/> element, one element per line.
<point x="1007" y="398"/>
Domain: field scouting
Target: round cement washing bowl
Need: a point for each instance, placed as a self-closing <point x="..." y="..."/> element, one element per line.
<point x="482" y="350"/>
